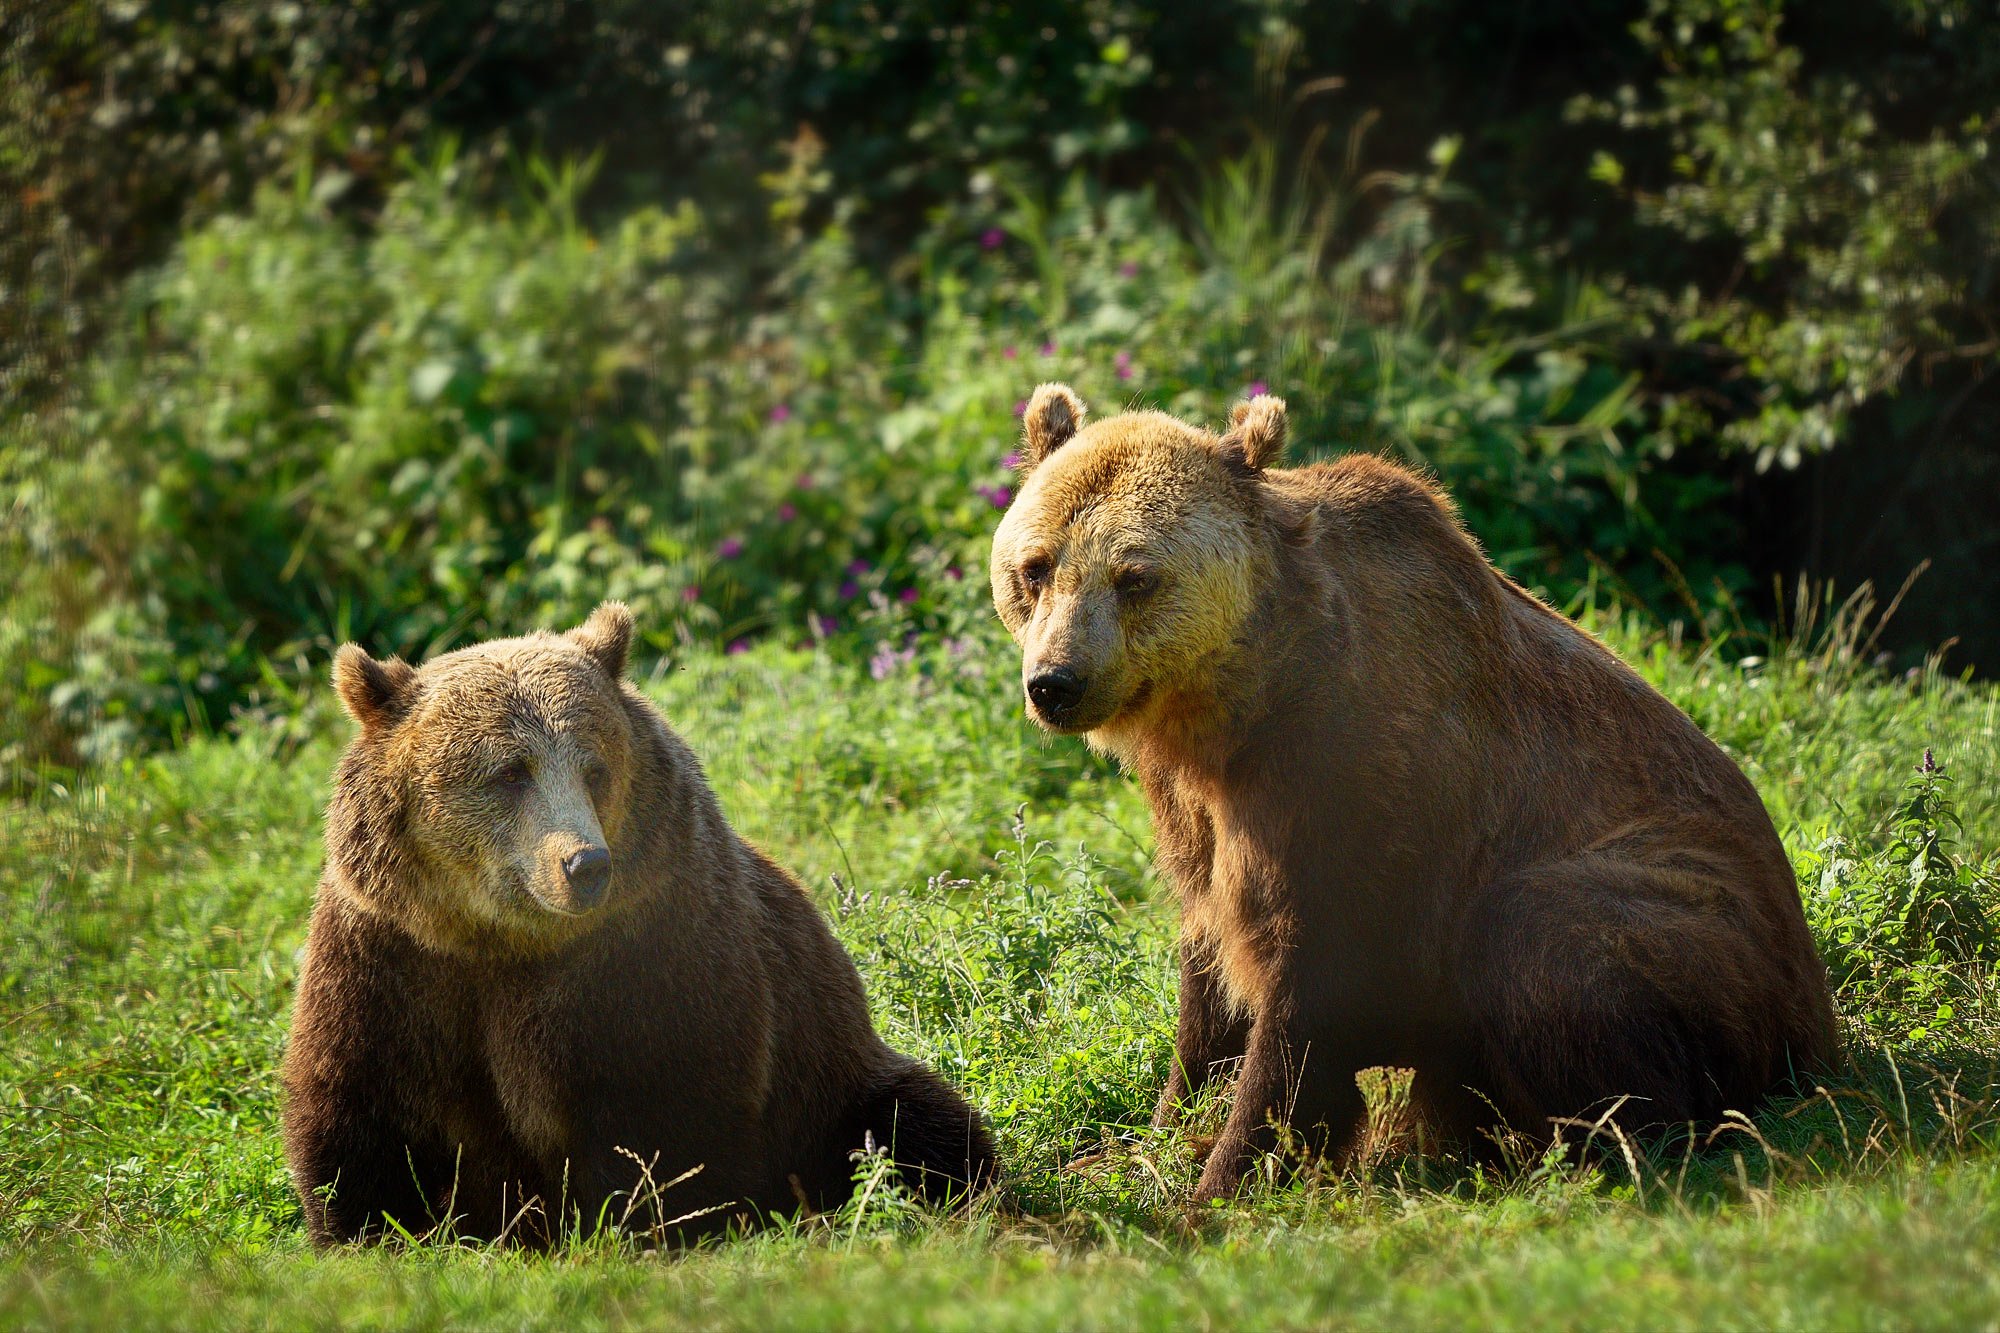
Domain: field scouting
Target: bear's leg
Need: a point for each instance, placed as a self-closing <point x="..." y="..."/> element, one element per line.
<point x="1596" y="980"/>
<point x="355" y="1173"/>
<point x="939" y="1143"/>
<point x="1208" y="1032"/>
<point x="1286" y="1081"/>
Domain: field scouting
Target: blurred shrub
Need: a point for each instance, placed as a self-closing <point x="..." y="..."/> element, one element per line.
<point x="1785" y="210"/>
<point x="465" y="420"/>
<point x="1855" y="236"/>
<point x="121" y="119"/>
<point x="298" y="433"/>
<point x="1597" y="265"/>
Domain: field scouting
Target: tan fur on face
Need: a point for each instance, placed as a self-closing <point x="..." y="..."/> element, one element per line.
<point x="1137" y="493"/>
<point x="487" y="854"/>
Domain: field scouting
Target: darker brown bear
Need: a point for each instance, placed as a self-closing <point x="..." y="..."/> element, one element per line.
<point x="1414" y="817"/>
<point x="546" y="984"/>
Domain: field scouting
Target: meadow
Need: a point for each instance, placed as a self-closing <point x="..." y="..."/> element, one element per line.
<point x="996" y="890"/>
<point x="406" y="324"/>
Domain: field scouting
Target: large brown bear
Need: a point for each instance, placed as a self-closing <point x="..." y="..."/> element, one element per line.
<point x="540" y="959"/>
<point x="1414" y="817"/>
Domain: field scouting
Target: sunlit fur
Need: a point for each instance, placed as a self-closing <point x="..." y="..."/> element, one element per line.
<point x="476" y="1052"/>
<point x="1141" y="491"/>
<point x="482" y="860"/>
<point x="1413" y="817"/>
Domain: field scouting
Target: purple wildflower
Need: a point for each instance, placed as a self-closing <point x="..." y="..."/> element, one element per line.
<point x="1128" y="269"/>
<point x="1257" y="388"/>
<point x="909" y="596"/>
<point x="787" y="512"/>
<point x="691" y="593"/>
<point x="1021" y="407"/>
<point x="1122" y="360"/>
<point x="997" y="496"/>
<point x="804" y="481"/>
<point x="1011" y="461"/>
<point x="1008" y="351"/>
<point x="954" y="573"/>
<point x="729" y="548"/>
<point x="849" y="589"/>
<point x="1049" y="348"/>
<point x="780" y="414"/>
<point x="739" y="646"/>
<point x="857" y="567"/>
<point x="992" y="239"/>
<point x="888" y="660"/>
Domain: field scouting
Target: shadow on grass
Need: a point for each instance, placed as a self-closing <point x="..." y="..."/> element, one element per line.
<point x="1882" y="1111"/>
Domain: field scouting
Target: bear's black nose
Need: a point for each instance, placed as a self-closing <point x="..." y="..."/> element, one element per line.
<point x="588" y="872"/>
<point x="1055" y="691"/>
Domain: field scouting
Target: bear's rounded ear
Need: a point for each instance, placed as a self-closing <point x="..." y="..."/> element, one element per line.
<point x="1054" y="415"/>
<point x="606" y="636"/>
<point x="371" y="691"/>
<point x="1257" y="431"/>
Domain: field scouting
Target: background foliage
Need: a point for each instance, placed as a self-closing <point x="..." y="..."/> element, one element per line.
<point x="423" y="322"/>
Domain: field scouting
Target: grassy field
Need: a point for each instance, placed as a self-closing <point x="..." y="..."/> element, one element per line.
<point x="996" y="891"/>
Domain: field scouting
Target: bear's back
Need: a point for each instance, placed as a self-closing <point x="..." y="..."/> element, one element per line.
<point x="1585" y="744"/>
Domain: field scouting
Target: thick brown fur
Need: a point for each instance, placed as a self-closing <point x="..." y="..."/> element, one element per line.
<point x="1413" y="817"/>
<point x="481" y="1048"/>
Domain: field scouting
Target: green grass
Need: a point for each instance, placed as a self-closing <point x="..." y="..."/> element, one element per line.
<point x="996" y="890"/>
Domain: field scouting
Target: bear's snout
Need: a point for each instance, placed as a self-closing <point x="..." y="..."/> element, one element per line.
<point x="588" y="873"/>
<point x="1055" y="692"/>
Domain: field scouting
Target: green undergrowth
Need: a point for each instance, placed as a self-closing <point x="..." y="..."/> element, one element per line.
<point x="995" y="889"/>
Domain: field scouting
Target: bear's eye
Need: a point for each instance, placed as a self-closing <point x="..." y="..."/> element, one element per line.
<point x="595" y="774"/>
<point x="1035" y="572"/>
<point x="1136" y="582"/>
<point x="512" y="775"/>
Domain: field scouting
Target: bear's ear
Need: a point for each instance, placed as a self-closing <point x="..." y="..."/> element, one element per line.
<point x="1257" y="430"/>
<point x="1054" y="415"/>
<point x="606" y="636"/>
<point x="371" y="691"/>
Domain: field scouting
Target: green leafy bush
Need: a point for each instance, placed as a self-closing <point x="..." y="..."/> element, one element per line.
<point x="1850" y="233"/>
<point x="302" y="433"/>
<point x="124" y="121"/>
<point x="462" y="421"/>
<point x="354" y="389"/>
<point x="1908" y="926"/>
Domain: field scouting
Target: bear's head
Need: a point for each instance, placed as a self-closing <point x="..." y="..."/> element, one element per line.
<point x="485" y="798"/>
<point x="1131" y="558"/>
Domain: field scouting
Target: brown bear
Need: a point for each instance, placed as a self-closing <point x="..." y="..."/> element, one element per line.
<point x="1413" y="817"/>
<point x="545" y="980"/>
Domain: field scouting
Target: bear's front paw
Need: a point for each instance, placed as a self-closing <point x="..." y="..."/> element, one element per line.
<point x="1222" y="1178"/>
